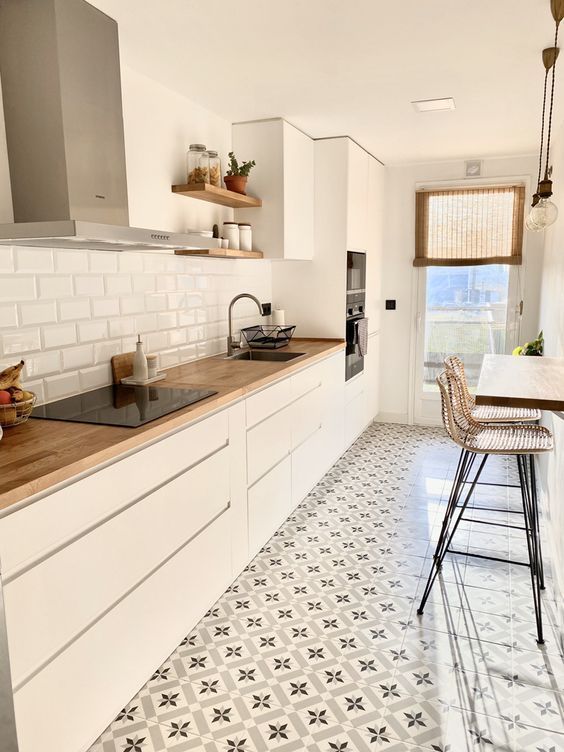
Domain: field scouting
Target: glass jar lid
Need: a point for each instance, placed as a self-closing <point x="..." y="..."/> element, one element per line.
<point x="212" y="153"/>
<point x="197" y="147"/>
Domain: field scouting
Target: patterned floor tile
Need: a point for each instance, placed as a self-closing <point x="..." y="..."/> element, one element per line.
<point x="317" y="646"/>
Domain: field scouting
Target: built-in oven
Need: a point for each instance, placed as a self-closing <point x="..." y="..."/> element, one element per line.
<point x="355" y="307"/>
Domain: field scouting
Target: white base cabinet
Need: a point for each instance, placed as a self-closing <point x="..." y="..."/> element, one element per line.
<point x="105" y="576"/>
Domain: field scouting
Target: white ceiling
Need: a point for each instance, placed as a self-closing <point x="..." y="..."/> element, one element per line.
<point x="336" y="67"/>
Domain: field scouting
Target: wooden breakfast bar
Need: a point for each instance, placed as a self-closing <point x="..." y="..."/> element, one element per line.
<point x="510" y="381"/>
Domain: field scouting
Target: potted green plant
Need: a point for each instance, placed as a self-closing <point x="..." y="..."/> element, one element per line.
<point x="237" y="174"/>
<point x="535" y="347"/>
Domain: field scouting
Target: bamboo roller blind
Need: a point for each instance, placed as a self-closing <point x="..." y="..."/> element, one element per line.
<point x="469" y="226"/>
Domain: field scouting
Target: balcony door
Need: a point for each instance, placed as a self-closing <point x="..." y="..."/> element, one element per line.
<point x="464" y="310"/>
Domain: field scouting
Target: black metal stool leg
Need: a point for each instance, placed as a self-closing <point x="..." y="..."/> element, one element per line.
<point x="445" y="539"/>
<point x="535" y="503"/>
<point x="530" y="532"/>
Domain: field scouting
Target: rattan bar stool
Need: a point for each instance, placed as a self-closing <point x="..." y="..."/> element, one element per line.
<point x="489" y="413"/>
<point x="479" y="440"/>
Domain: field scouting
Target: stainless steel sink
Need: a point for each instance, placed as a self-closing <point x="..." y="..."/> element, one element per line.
<point x="272" y="355"/>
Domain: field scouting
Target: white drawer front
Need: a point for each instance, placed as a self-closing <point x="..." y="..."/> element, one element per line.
<point x="52" y="602"/>
<point x="353" y="388"/>
<point x="307" y="415"/>
<point x="308" y="465"/>
<point x="270" y="400"/>
<point x="268" y="443"/>
<point x="269" y="504"/>
<point x="306" y="380"/>
<point x="355" y="418"/>
<point x="68" y="704"/>
<point x="38" y="527"/>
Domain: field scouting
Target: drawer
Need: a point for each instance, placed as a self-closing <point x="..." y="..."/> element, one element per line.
<point x="267" y="402"/>
<point x="70" y="702"/>
<point x="268" y="443"/>
<point x="307" y="415"/>
<point x="306" y="380"/>
<point x="353" y="388"/>
<point x="39" y="527"/>
<point x="269" y="503"/>
<point x="308" y="465"/>
<point x="356" y="419"/>
<point x="49" y="604"/>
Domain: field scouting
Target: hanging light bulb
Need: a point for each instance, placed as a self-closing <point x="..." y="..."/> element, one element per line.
<point x="544" y="212"/>
<point x="530" y="224"/>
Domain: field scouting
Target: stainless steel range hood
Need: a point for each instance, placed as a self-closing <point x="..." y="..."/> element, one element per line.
<point x="61" y="89"/>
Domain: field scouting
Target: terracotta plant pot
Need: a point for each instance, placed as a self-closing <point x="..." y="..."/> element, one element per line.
<point x="236" y="183"/>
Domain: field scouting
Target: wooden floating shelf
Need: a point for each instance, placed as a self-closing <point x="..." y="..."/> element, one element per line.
<point x="215" y="195"/>
<point x="220" y="253"/>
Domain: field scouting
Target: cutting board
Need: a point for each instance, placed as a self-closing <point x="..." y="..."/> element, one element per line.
<point x="122" y="366"/>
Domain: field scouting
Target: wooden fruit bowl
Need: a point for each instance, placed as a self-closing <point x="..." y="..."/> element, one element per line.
<point x="16" y="412"/>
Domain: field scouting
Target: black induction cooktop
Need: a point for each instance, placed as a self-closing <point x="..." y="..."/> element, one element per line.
<point x="121" y="405"/>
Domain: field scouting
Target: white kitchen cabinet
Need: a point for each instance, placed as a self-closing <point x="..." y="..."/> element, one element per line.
<point x="267" y="443"/>
<point x="358" y="232"/>
<point x="269" y="504"/>
<point x="283" y="228"/>
<point x="372" y="376"/>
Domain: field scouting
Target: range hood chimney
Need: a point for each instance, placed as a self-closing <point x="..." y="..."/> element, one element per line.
<point x="61" y="88"/>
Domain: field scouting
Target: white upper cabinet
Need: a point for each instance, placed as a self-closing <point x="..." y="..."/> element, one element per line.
<point x="284" y="179"/>
<point x="358" y="231"/>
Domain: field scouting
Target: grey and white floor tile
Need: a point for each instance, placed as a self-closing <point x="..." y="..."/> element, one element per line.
<point x="317" y="646"/>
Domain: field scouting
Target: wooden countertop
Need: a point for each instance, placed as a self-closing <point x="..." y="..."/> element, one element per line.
<point x="42" y="453"/>
<point x="524" y="381"/>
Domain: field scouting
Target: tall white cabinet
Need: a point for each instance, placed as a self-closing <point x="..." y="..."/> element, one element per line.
<point x="349" y="208"/>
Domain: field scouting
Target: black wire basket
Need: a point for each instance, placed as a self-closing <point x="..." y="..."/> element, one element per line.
<point x="268" y="337"/>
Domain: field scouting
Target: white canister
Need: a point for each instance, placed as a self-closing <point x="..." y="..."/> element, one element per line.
<point x="231" y="233"/>
<point x="245" y="237"/>
<point x="224" y="243"/>
<point x="278" y="317"/>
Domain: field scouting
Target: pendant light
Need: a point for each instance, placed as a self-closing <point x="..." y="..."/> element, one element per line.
<point x="544" y="212"/>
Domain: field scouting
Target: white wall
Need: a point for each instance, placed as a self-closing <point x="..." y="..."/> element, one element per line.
<point x="400" y="277"/>
<point x="552" y="322"/>
<point x="67" y="312"/>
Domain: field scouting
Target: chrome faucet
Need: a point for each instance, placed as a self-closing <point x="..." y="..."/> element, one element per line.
<point x="264" y="309"/>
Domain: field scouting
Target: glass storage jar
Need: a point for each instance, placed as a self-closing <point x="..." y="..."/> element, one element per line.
<point x="197" y="164"/>
<point x="215" y="168"/>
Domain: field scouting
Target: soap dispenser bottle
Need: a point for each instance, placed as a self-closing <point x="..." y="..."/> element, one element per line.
<point x="140" y="369"/>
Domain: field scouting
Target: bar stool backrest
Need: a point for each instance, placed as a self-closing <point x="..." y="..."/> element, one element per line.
<point x="454" y="364"/>
<point x="457" y="419"/>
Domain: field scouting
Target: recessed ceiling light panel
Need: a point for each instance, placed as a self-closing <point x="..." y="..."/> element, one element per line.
<point x="434" y="105"/>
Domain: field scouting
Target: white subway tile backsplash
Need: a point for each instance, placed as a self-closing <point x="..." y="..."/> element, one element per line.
<point x="74" y="310"/>
<point x="67" y="312"/>
<point x="97" y="376"/>
<point x="144" y="282"/>
<point x="132" y="304"/>
<point x="118" y="284"/>
<point x="34" y="260"/>
<point x="42" y="364"/>
<point x="105" y="307"/>
<point x="37" y="387"/>
<point x="59" y="336"/>
<point x="38" y="313"/>
<point x="122" y="327"/>
<point x="8" y="315"/>
<point x="88" y="285"/>
<point x="157" y="302"/>
<point x="102" y="261"/>
<point x="71" y="261"/>
<point x="6" y="259"/>
<point x="16" y="288"/>
<point x="166" y="320"/>
<point x="78" y="357"/>
<point x="55" y="287"/>
<point x="21" y="341"/>
<point x="104" y="351"/>
<point x="90" y="331"/>
<point x="61" y="386"/>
